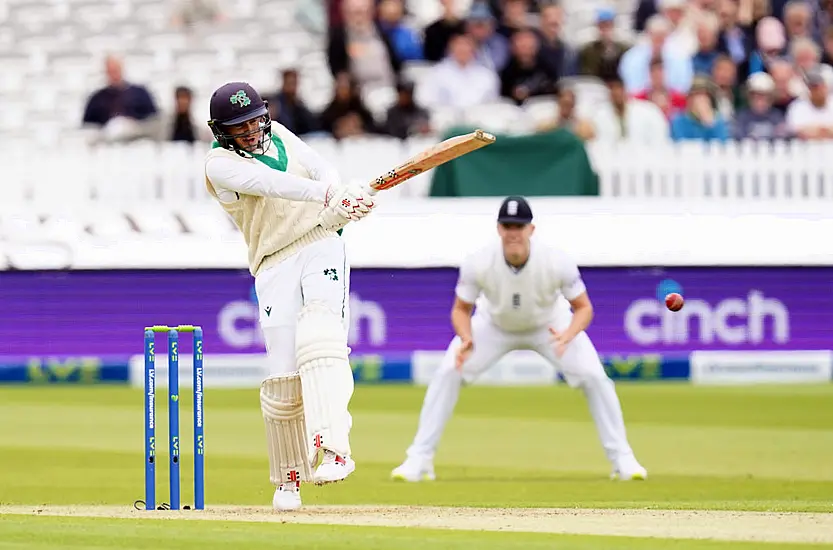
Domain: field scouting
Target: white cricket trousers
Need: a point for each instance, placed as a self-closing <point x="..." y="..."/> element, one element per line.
<point x="318" y="272"/>
<point x="580" y="366"/>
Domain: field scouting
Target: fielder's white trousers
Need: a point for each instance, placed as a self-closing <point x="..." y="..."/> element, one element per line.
<point x="318" y="272"/>
<point x="580" y="366"/>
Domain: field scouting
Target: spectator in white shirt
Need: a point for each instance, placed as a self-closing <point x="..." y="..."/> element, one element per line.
<point x="812" y="117"/>
<point x="631" y="120"/>
<point x="634" y="67"/>
<point x="683" y="18"/>
<point x="459" y="81"/>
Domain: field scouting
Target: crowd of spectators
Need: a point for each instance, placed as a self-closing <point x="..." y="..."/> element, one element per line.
<point x="693" y="69"/>
<point x="688" y="70"/>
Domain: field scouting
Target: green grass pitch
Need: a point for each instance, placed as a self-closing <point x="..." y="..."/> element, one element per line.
<point x="759" y="448"/>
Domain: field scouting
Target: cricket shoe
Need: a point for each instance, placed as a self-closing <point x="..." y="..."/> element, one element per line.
<point x="628" y="469"/>
<point x="333" y="468"/>
<point x="413" y="470"/>
<point x="287" y="497"/>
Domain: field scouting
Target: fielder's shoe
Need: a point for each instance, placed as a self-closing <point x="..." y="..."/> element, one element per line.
<point x="333" y="468"/>
<point x="628" y="469"/>
<point x="414" y="470"/>
<point x="287" y="497"/>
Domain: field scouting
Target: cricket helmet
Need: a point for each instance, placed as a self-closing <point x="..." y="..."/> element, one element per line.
<point x="235" y="103"/>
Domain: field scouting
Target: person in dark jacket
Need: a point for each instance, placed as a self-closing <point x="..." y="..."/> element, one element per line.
<point x="735" y="39"/>
<point x="439" y="33"/>
<point x="524" y="75"/>
<point x="121" y="111"/>
<point x="347" y="115"/>
<point x="405" y="118"/>
<point x="289" y="109"/>
<point x="556" y="55"/>
<point x="600" y="58"/>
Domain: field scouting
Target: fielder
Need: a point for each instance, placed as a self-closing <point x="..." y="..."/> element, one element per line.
<point x="523" y="290"/>
<point x="290" y="206"/>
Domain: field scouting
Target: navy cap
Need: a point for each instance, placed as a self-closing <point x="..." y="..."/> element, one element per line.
<point x="515" y="209"/>
<point x="236" y="102"/>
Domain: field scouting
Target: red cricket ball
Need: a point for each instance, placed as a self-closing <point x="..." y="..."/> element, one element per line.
<point x="674" y="301"/>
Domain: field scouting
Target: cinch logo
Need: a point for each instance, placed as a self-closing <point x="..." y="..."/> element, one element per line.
<point x="238" y="326"/>
<point x="731" y="321"/>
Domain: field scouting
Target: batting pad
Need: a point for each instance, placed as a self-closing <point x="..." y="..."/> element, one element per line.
<point x="286" y="438"/>
<point x="326" y="379"/>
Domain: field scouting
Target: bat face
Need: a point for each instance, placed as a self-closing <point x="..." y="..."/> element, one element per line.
<point x="432" y="157"/>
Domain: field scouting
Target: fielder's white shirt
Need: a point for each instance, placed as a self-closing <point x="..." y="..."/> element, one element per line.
<point x="519" y="300"/>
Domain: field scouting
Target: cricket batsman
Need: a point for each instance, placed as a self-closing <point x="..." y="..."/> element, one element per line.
<point x="290" y="206"/>
<point x="524" y="290"/>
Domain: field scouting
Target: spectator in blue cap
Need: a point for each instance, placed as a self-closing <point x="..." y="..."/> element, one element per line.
<point x="492" y="49"/>
<point x="601" y="57"/>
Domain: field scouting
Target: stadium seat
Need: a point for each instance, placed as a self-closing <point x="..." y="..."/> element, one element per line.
<point x="541" y="110"/>
<point x="12" y="117"/>
<point x="39" y="254"/>
<point x="154" y="218"/>
<point x="66" y="225"/>
<point x="278" y="11"/>
<point x="366" y="158"/>
<point x="105" y="222"/>
<point x="415" y="71"/>
<point x="325" y="145"/>
<point x="498" y="117"/>
<point x="12" y="81"/>
<point x="20" y="223"/>
<point x="207" y="219"/>
<point x="379" y="100"/>
<point x="443" y="118"/>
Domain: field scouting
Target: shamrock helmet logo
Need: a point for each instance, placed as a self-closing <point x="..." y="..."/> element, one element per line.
<point x="240" y="99"/>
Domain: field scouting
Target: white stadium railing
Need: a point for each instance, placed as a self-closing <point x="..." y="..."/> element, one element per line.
<point x="172" y="172"/>
<point x="784" y="170"/>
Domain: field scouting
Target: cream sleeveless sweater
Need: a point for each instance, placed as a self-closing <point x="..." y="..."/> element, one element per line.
<point x="273" y="228"/>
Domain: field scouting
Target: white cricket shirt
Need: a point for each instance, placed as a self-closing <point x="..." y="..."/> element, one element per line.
<point x="275" y="199"/>
<point x="519" y="300"/>
<point x="230" y="178"/>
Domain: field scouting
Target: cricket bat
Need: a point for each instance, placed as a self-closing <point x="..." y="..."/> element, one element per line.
<point x="432" y="157"/>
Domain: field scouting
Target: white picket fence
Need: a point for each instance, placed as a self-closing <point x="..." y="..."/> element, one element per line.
<point x="173" y="172"/>
<point x="784" y="170"/>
